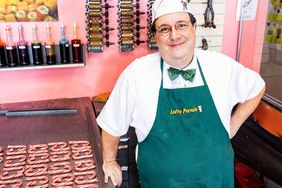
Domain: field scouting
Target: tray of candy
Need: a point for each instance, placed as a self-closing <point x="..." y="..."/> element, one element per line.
<point x="52" y="143"/>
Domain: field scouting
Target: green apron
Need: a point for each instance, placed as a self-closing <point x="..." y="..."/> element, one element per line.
<point x="188" y="145"/>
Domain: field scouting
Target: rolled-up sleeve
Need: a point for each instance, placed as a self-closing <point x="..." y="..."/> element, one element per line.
<point x="116" y="115"/>
<point x="246" y="83"/>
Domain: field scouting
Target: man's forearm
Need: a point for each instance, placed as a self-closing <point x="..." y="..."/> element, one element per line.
<point x="110" y="146"/>
<point x="243" y="111"/>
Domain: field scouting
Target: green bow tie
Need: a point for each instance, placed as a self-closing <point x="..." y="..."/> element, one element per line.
<point x="186" y="74"/>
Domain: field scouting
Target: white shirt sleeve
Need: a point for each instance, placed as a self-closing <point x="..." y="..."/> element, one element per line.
<point x="116" y="115"/>
<point x="245" y="84"/>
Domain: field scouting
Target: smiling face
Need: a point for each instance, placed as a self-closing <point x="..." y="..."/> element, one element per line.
<point x="176" y="48"/>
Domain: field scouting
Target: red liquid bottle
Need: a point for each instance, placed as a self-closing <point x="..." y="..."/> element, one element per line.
<point x="22" y="48"/>
<point x="50" y="47"/>
<point x="11" y="49"/>
<point x="36" y="47"/>
<point x="76" y="47"/>
<point x="3" y="62"/>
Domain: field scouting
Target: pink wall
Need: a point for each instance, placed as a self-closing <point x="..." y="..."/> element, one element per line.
<point x="102" y="69"/>
<point x="252" y="35"/>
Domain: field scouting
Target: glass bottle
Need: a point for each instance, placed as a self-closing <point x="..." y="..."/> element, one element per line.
<point x="22" y="48"/>
<point x="2" y="53"/>
<point x="76" y="46"/>
<point x="36" y="47"/>
<point x="50" y="47"/>
<point x="64" y="47"/>
<point x="11" y="49"/>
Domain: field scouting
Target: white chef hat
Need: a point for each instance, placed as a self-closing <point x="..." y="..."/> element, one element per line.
<point x="163" y="7"/>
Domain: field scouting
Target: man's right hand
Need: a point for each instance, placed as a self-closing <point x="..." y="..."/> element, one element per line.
<point x="112" y="170"/>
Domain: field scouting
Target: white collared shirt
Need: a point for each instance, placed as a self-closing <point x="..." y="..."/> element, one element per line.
<point x="134" y="99"/>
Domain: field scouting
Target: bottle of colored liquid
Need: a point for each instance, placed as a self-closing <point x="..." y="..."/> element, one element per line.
<point x="64" y="47"/>
<point x="11" y="49"/>
<point x="36" y="47"/>
<point x="50" y="47"/>
<point x="76" y="46"/>
<point x="22" y="48"/>
<point x="3" y="62"/>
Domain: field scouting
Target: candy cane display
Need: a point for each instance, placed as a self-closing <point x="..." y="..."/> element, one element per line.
<point x="62" y="180"/>
<point x="37" y="181"/>
<point x="82" y="154"/>
<point x="58" y="146"/>
<point x="79" y="144"/>
<point x="92" y="185"/>
<point x="60" y="168"/>
<point x="38" y="148"/>
<point x="36" y="170"/>
<point x="60" y="156"/>
<point x="84" y="165"/>
<point x="12" y="173"/>
<point x="85" y="177"/>
<point x="16" y="150"/>
<point x="15" y="183"/>
<point x="14" y="160"/>
<point x="38" y="158"/>
<point x="71" y="165"/>
<point x="1" y="154"/>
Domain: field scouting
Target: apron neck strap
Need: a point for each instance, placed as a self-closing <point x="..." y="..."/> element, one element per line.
<point x="162" y="67"/>
<point x="200" y="69"/>
<point x="202" y="74"/>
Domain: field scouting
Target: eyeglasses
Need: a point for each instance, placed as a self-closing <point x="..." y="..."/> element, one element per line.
<point x="165" y="30"/>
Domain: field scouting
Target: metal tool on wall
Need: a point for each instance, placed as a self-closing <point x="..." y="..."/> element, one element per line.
<point x="209" y="15"/>
<point x="129" y="25"/>
<point x="151" y="39"/>
<point x="97" y="25"/>
<point x="205" y="45"/>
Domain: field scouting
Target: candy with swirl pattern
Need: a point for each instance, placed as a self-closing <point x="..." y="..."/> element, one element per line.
<point x="16" y="150"/>
<point x="36" y="170"/>
<point x="38" y="158"/>
<point x="14" y="160"/>
<point x="12" y="173"/>
<point x="62" y="180"/>
<point x="84" y="165"/>
<point x="60" y="168"/>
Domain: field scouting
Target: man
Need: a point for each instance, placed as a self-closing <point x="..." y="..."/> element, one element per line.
<point x="180" y="102"/>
